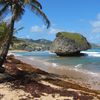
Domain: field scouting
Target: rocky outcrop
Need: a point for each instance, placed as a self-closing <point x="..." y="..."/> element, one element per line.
<point x="69" y="44"/>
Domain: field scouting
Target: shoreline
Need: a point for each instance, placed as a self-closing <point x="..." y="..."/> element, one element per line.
<point x="74" y="67"/>
<point x="29" y="82"/>
<point x="89" y="79"/>
<point x="10" y="51"/>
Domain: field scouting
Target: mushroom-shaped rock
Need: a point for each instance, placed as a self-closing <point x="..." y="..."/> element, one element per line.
<point x="69" y="44"/>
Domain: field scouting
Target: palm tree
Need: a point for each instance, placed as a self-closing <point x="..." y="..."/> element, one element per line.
<point x="17" y="9"/>
<point x="4" y="30"/>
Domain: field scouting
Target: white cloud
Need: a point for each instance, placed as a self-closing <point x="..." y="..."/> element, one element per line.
<point x="54" y="30"/>
<point x="37" y="29"/>
<point x="98" y="16"/>
<point x="96" y="24"/>
<point x="96" y="30"/>
<point x="42" y="29"/>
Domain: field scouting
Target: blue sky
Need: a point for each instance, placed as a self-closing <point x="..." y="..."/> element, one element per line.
<point x="82" y="16"/>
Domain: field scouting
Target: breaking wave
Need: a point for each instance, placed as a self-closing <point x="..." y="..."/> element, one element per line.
<point x="92" y="54"/>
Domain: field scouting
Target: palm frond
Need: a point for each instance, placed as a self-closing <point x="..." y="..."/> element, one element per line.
<point x="3" y="9"/>
<point x="19" y="11"/>
<point x="40" y="13"/>
<point x="36" y="3"/>
<point x="33" y="2"/>
<point x="17" y="30"/>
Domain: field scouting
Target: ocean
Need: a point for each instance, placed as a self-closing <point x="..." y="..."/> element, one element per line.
<point x="89" y="62"/>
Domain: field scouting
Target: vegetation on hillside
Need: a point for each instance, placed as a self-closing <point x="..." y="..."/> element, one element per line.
<point x="30" y="44"/>
<point x="73" y="36"/>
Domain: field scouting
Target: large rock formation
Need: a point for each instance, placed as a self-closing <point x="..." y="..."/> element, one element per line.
<point x="69" y="44"/>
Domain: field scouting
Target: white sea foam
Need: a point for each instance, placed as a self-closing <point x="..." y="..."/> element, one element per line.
<point x="10" y="53"/>
<point x="93" y="54"/>
<point x="84" y="71"/>
<point x="89" y="52"/>
<point x="94" y="74"/>
<point x="78" y="66"/>
<point x="54" y="65"/>
<point x="51" y="67"/>
<point x="45" y="65"/>
<point x="31" y="58"/>
<point x="50" y="52"/>
<point x="17" y="54"/>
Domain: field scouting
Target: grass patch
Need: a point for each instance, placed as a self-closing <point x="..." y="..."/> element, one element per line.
<point x="73" y="36"/>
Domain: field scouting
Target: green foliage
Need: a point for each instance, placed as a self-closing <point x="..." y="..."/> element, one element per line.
<point x="4" y="30"/>
<point x="17" y="9"/>
<point x="73" y="36"/>
<point x="30" y="45"/>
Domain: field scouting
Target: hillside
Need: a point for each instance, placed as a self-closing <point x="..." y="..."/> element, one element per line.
<point x="35" y="45"/>
<point x="30" y="44"/>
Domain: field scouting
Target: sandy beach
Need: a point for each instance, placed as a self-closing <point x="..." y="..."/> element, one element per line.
<point x="11" y="51"/>
<point x="89" y="79"/>
<point x="24" y="80"/>
<point x="53" y="54"/>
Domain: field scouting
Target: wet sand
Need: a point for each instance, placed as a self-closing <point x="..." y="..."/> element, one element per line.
<point x="88" y="79"/>
<point x="24" y="81"/>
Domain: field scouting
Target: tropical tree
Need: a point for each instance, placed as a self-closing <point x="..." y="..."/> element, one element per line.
<point x="4" y="30"/>
<point x="4" y="33"/>
<point x="17" y="9"/>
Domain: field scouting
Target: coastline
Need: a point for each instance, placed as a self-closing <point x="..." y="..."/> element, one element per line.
<point x="89" y="79"/>
<point x="18" y="51"/>
<point x="82" y="77"/>
<point x="37" y="84"/>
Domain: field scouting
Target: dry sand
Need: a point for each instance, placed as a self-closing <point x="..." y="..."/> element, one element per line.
<point x="65" y="85"/>
<point x="17" y="51"/>
<point x="7" y="93"/>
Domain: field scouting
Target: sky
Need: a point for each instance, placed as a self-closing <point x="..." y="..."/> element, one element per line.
<point x="81" y="16"/>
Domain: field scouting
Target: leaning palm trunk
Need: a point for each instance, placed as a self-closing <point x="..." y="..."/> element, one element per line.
<point x="7" y="44"/>
<point x="17" y="8"/>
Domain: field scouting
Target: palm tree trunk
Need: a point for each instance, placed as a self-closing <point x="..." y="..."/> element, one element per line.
<point x="7" y="44"/>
